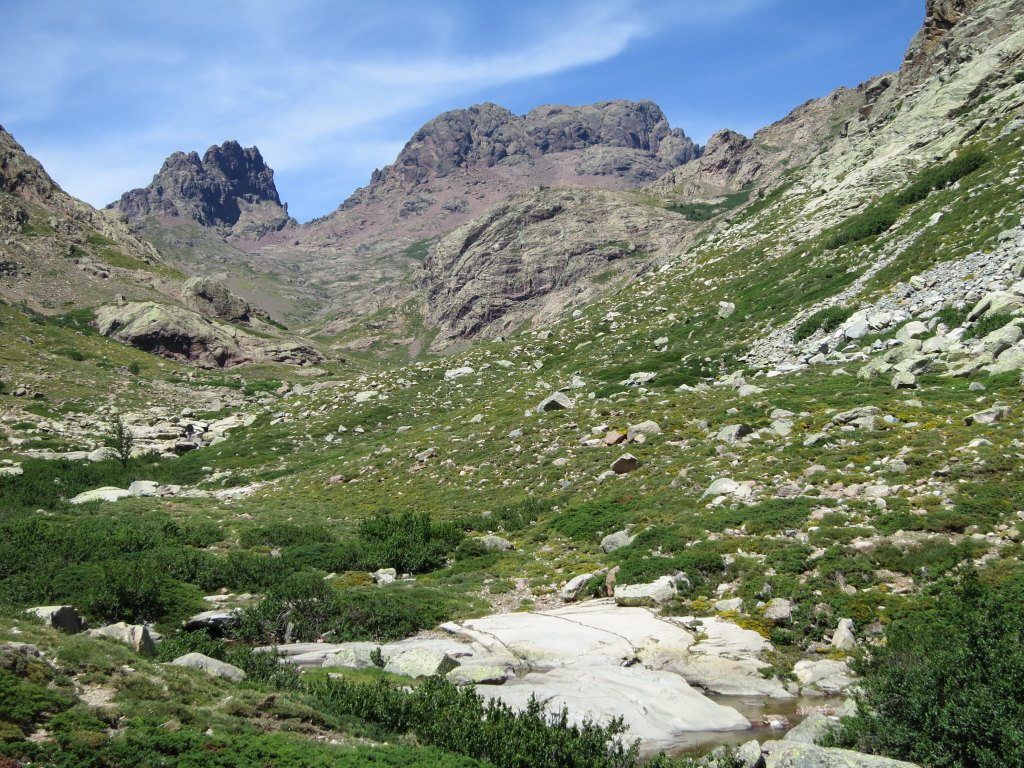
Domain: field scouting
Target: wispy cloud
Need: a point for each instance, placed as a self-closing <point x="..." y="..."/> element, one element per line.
<point x="102" y="92"/>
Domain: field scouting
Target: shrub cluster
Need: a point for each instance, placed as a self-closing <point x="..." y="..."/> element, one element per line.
<point x="944" y="690"/>
<point x="827" y="320"/>
<point x="304" y="607"/>
<point x="462" y="721"/>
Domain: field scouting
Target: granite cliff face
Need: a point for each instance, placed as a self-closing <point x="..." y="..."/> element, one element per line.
<point x="542" y="250"/>
<point x="230" y="187"/>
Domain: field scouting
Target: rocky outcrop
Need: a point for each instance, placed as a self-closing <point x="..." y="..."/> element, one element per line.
<point x="538" y="252"/>
<point x="20" y="173"/>
<point x="940" y="17"/>
<point x="230" y="187"/>
<point x="208" y="297"/>
<point x="180" y="334"/>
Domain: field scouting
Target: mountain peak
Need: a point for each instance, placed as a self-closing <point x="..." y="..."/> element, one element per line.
<point x="217" y="190"/>
<point x="488" y="134"/>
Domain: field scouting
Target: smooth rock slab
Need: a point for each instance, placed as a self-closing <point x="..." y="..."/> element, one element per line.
<point x="590" y="633"/>
<point x="656" y="706"/>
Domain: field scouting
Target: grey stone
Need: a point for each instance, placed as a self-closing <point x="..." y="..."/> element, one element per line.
<point x="734" y="432"/>
<point x="107" y="493"/>
<point x="62" y="617"/>
<point x="794" y="754"/>
<point x="988" y="416"/>
<point x="643" y="428"/>
<point x="726" y="309"/>
<point x="625" y="464"/>
<point x="558" y="401"/>
<point x="661" y="591"/>
<point x="143" y="488"/>
<point x="616" y="540"/>
<point x="843" y="638"/>
<point x="134" y="635"/>
<point x="779" y="609"/>
<point x="573" y="588"/>
<point x="384" y="576"/>
<point x="420" y="662"/>
<point x="811" y="729"/>
<point x="496" y="542"/>
<point x="904" y="381"/>
<point x="214" y="622"/>
<point x="212" y="667"/>
<point x="721" y="487"/>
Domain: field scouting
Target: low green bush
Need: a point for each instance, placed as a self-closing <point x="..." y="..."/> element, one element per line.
<point x="944" y="690"/>
<point x="409" y="543"/>
<point x="462" y="721"/>
<point x="940" y="176"/>
<point x="83" y="744"/>
<point x="874" y="220"/>
<point x="23" y="703"/>
<point x="826" y="319"/>
<point x="585" y="521"/>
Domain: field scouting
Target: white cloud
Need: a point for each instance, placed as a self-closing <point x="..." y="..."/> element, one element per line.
<point x="309" y="82"/>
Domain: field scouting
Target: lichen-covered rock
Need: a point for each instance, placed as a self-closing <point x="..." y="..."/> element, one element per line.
<point x="793" y="754"/>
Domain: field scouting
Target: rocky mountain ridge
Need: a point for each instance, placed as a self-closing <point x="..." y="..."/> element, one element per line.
<point x="230" y="188"/>
<point x="367" y="253"/>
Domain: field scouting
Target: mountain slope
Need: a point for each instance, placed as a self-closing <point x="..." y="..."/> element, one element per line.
<point x="799" y="431"/>
<point x="366" y="254"/>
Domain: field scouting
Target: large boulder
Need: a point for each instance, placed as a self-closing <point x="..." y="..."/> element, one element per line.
<point x="661" y="591"/>
<point x="181" y="334"/>
<point x="136" y="636"/>
<point x="558" y="401"/>
<point x="657" y="707"/>
<point x="62" y="617"/>
<point x="212" y="667"/>
<point x="208" y="297"/>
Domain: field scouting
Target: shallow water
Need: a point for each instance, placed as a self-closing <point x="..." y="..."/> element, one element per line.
<point x="755" y="709"/>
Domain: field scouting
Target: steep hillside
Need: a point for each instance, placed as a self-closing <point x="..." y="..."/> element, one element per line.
<point x="85" y="269"/>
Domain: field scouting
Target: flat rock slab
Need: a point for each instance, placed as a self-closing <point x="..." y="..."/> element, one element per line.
<point x="592" y="633"/>
<point x="656" y="706"/>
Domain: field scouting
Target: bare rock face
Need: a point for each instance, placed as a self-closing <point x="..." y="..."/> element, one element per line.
<point x="180" y="334"/>
<point x="20" y="173"/>
<point x="541" y="250"/>
<point x="940" y="17"/>
<point x="486" y="134"/>
<point x="208" y="297"/>
<point x="230" y="186"/>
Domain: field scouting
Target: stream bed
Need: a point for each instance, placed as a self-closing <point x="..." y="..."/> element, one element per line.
<point x="758" y="710"/>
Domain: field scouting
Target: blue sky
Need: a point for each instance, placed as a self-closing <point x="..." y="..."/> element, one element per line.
<point x="102" y="91"/>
